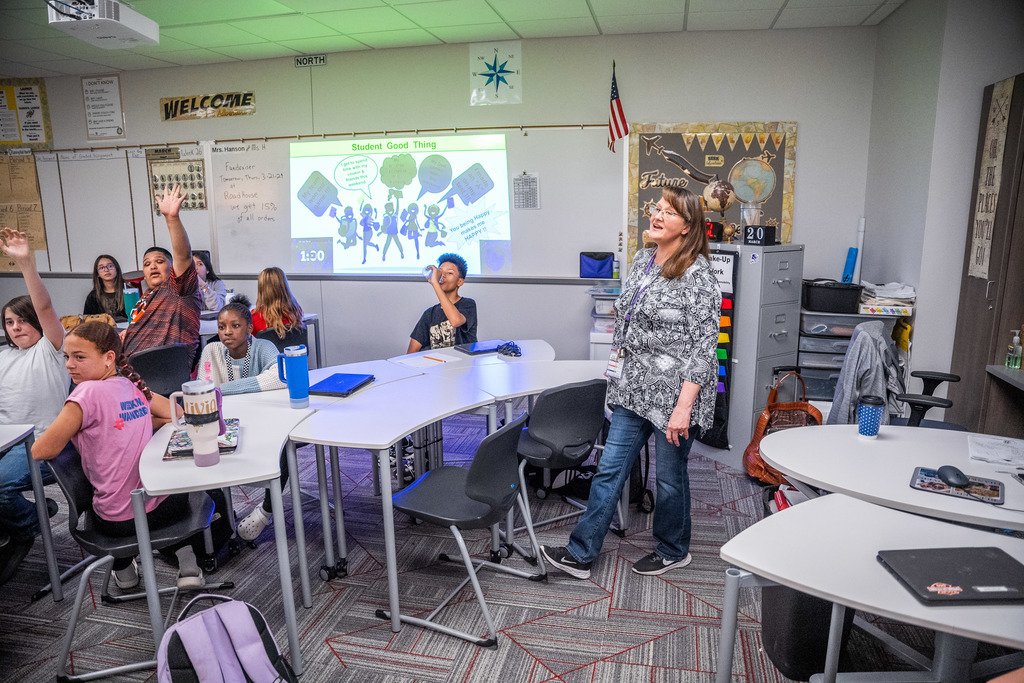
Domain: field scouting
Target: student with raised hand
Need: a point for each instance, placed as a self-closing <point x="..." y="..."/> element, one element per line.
<point x="240" y="364"/>
<point x="110" y="418"/>
<point x="211" y="288"/>
<point x="33" y="386"/>
<point x="168" y="313"/>
<point x="276" y="306"/>
<point x="452" y="320"/>
<point x="107" y="293"/>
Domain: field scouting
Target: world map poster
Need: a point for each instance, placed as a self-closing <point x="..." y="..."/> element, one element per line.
<point x="757" y="158"/>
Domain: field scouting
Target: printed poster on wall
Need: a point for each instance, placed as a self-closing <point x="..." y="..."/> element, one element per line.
<point x="24" y="113"/>
<point x="20" y="205"/>
<point x="104" y="114"/>
<point x="495" y="73"/>
<point x="215" y="105"/>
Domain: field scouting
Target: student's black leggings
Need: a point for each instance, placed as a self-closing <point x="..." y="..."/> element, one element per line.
<point x="170" y="510"/>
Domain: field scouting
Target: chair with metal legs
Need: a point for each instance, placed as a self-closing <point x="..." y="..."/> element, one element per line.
<point x="471" y="498"/>
<point x="67" y="469"/>
<point x="563" y="430"/>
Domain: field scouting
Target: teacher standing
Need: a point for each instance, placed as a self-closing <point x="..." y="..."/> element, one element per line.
<point x="662" y="376"/>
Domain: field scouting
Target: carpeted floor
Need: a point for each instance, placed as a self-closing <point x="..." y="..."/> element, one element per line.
<point x="616" y="626"/>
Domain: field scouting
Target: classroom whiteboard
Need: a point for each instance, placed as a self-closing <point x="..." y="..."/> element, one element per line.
<point x="580" y="186"/>
<point x="99" y="202"/>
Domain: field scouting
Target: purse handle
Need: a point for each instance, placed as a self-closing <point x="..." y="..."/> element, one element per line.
<point x="773" y="392"/>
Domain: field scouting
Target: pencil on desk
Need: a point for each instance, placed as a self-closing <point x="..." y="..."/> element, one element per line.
<point x="436" y="360"/>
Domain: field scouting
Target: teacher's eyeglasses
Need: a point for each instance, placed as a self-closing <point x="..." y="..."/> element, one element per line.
<point x="665" y="213"/>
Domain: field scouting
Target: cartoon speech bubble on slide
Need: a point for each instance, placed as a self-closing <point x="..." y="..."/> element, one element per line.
<point x="435" y="173"/>
<point x="471" y="185"/>
<point x="318" y="193"/>
<point x="356" y="173"/>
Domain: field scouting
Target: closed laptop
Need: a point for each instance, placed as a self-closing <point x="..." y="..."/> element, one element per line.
<point x="475" y="348"/>
<point x="957" y="576"/>
<point x="340" y="384"/>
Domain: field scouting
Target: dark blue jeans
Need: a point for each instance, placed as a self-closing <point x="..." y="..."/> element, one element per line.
<point x="17" y="515"/>
<point x="628" y="433"/>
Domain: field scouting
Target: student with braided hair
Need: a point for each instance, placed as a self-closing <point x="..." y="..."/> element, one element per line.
<point x="241" y="364"/>
<point x="110" y="418"/>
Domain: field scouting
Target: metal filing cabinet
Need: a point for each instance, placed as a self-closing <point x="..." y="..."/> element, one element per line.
<point x="766" y="327"/>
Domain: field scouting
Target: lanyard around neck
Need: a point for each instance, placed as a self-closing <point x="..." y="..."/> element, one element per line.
<point x="628" y="316"/>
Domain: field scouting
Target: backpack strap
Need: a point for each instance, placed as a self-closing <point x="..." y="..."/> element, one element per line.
<point x="246" y="642"/>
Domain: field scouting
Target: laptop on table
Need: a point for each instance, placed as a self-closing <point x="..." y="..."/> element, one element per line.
<point x="957" y="576"/>
<point x="340" y="384"/>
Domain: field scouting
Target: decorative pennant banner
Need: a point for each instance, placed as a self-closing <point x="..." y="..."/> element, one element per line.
<point x="732" y="138"/>
<point x="702" y="140"/>
<point x="688" y="140"/>
<point x="777" y="138"/>
<point x="762" y="139"/>
<point x="495" y="73"/>
<point x="717" y="139"/>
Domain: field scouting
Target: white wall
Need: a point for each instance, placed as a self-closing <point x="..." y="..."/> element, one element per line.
<point x="983" y="43"/>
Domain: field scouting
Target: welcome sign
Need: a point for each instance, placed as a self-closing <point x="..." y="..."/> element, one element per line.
<point x="208" y="106"/>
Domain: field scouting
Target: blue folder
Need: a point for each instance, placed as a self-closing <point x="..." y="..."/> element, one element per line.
<point x="340" y="384"/>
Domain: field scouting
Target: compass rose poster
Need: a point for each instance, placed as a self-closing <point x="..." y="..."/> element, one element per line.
<point x="757" y="158"/>
<point x="495" y="73"/>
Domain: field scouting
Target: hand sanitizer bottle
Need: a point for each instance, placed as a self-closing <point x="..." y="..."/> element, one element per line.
<point x="1013" y="353"/>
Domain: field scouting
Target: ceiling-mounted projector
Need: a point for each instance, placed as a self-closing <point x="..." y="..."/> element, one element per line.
<point x="104" y="23"/>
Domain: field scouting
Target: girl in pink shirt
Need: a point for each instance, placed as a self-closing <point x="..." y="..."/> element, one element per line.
<point x="110" y="417"/>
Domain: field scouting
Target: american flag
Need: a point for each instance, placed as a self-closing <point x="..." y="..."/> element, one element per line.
<point x="617" y="126"/>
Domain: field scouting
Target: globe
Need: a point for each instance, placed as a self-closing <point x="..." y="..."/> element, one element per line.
<point x="753" y="180"/>
<point x="719" y="196"/>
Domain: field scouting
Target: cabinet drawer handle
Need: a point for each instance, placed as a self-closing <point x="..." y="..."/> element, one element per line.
<point x="782" y="281"/>
<point x="777" y="335"/>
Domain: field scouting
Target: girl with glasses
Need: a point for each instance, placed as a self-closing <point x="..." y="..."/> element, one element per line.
<point x="107" y="294"/>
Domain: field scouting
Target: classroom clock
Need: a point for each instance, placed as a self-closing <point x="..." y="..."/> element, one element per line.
<point x="312" y="255"/>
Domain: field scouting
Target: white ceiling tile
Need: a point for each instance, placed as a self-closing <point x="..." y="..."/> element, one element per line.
<point x="369" y="20"/>
<point x="823" y="4"/>
<point x="336" y="43"/>
<point x="211" y="35"/>
<point x="256" y="51"/>
<point x="450" y="13"/>
<point x="307" y="6"/>
<point x="37" y="15"/>
<point x="21" y="4"/>
<point x="882" y="12"/>
<point x="810" y="17"/>
<point x="412" y="37"/>
<point x="195" y="56"/>
<point x="527" y="10"/>
<point x="701" y="6"/>
<point x="555" y="28"/>
<point x="474" y="34"/>
<point x="649" y="23"/>
<point x="67" y="46"/>
<point x="123" y="60"/>
<point x="75" y="67"/>
<point x="23" y="52"/>
<point x="284" y="28"/>
<point x="730" y="21"/>
<point x="16" y="70"/>
<point x="166" y="44"/>
<point x="185" y="12"/>
<point x="620" y="8"/>
<point x="13" y="28"/>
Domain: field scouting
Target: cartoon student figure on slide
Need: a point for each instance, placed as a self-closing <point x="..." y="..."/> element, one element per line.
<point x="390" y="228"/>
<point x="433" y="225"/>
<point x="368" y="224"/>
<point x="347" y="225"/>
<point x="411" y="226"/>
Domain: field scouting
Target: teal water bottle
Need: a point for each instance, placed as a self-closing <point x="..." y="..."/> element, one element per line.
<point x="131" y="297"/>
<point x="293" y="370"/>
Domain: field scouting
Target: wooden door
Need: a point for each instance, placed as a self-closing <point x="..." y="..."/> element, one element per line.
<point x="990" y="302"/>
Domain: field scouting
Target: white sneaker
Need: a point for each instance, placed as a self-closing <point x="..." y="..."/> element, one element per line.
<point x="128" y="577"/>
<point x="190" y="576"/>
<point x="253" y="524"/>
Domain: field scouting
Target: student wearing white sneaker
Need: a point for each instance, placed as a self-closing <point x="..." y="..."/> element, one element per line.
<point x="241" y="364"/>
<point x="110" y="418"/>
<point x="661" y="381"/>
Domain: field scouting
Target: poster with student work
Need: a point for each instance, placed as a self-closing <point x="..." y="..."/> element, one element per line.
<point x="393" y="205"/>
<point x="24" y="113"/>
<point x="20" y="205"/>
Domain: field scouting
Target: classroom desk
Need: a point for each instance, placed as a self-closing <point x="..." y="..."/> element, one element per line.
<point x="375" y="419"/>
<point x="11" y="436"/>
<point x="826" y="547"/>
<point x="445" y="359"/>
<point x="879" y="470"/>
<point x="263" y="431"/>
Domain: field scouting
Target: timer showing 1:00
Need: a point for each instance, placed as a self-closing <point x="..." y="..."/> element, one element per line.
<point x="312" y="255"/>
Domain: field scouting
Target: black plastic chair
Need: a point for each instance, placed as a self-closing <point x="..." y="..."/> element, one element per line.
<point x="563" y="430"/>
<point x="473" y="498"/>
<point x="164" y="368"/>
<point x="293" y="337"/>
<point x="67" y="470"/>
<point x="921" y="403"/>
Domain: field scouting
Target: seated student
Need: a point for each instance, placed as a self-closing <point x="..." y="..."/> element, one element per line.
<point x="241" y="364"/>
<point x="276" y="307"/>
<point x="169" y="312"/>
<point x="107" y="293"/>
<point x="33" y="386"/>
<point x="211" y="288"/>
<point x="110" y="439"/>
<point x="452" y="320"/>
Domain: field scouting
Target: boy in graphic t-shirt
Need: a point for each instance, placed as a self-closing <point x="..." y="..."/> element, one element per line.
<point x="452" y="320"/>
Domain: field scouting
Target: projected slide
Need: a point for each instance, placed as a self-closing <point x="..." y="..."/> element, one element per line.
<point x="393" y="205"/>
